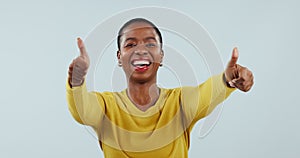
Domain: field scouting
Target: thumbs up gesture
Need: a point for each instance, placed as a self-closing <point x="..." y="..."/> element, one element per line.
<point x="236" y="75"/>
<point x="79" y="66"/>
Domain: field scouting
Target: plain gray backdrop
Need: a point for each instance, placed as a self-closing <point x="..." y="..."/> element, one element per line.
<point x="38" y="42"/>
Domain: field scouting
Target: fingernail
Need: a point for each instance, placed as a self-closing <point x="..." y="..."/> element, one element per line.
<point x="79" y="42"/>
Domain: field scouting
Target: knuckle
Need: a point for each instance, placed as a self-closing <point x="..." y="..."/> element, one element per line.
<point x="242" y="79"/>
<point x="244" y="84"/>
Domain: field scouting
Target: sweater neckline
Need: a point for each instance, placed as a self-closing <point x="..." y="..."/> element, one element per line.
<point x="134" y="110"/>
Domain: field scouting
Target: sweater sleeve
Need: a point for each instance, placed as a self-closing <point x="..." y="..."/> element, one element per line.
<point x="198" y="102"/>
<point x="87" y="108"/>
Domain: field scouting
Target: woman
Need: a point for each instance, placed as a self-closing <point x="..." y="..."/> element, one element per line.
<point x="145" y="120"/>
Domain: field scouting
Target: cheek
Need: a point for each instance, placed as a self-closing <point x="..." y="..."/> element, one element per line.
<point x="157" y="57"/>
<point x="124" y="57"/>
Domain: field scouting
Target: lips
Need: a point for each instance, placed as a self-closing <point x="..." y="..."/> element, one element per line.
<point x="141" y="65"/>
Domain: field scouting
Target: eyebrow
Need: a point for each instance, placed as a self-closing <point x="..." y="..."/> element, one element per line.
<point x="147" y="38"/>
<point x="150" y="38"/>
<point x="130" y="38"/>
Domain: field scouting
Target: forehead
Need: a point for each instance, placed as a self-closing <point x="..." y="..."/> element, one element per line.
<point x="139" y="30"/>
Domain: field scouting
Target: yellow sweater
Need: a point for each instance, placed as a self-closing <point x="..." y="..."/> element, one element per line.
<point x="162" y="131"/>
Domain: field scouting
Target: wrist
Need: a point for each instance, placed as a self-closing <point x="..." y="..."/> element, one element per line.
<point x="226" y="82"/>
<point x="75" y="82"/>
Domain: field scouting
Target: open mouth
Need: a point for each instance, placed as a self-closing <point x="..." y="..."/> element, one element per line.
<point x="141" y="65"/>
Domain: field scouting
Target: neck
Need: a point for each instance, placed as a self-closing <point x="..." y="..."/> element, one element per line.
<point x="143" y="95"/>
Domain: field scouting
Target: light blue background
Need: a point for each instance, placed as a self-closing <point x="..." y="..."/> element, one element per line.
<point x="38" y="41"/>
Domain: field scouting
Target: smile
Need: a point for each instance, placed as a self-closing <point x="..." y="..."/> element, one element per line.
<point x="141" y="65"/>
<point x="136" y="63"/>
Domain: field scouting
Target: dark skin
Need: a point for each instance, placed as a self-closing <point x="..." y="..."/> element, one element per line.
<point x="238" y="76"/>
<point x="140" y="42"/>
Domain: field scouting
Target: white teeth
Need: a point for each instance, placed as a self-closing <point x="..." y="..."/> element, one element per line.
<point x="141" y="62"/>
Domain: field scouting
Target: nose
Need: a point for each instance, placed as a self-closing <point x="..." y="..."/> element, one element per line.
<point x="141" y="49"/>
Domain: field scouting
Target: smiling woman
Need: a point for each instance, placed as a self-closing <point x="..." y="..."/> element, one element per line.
<point x="145" y="120"/>
<point x="140" y="52"/>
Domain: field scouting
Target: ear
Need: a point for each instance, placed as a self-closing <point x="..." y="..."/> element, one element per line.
<point x="119" y="56"/>
<point x="161" y="56"/>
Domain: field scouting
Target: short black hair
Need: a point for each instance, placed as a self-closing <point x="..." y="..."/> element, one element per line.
<point x="136" y="20"/>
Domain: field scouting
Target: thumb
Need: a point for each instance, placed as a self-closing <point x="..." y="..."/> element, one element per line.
<point x="81" y="47"/>
<point x="234" y="57"/>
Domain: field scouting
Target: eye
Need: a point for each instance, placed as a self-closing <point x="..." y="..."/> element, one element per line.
<point x="150" y="45"/>
<point x="129" y="45"/>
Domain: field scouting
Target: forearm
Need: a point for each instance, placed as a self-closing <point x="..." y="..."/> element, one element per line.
<point x="214" y="91"/>
<point x="83" y="105"/>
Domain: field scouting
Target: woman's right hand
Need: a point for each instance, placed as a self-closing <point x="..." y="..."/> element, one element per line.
<point x="79" y="66"/>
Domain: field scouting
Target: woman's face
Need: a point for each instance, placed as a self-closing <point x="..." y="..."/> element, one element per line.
<point x="140" y="52"/>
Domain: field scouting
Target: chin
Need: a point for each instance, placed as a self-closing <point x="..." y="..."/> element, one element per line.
<point x="142" y="78"/>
